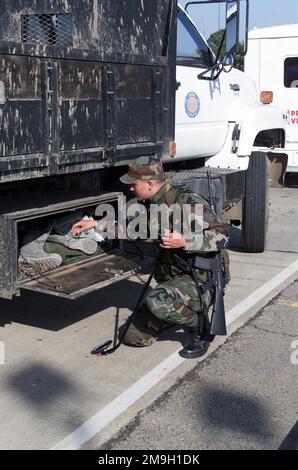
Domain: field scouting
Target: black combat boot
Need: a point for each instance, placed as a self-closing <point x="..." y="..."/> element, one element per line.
<point x="198" y="346"/>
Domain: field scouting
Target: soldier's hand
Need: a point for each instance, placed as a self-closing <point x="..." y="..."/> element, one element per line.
<point x="82" y="226"/>
<point x="173" y="240"/>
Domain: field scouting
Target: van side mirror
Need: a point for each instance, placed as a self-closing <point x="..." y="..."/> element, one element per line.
<point x="232" y="26"/>
<point x="232" y="18"/>
<point x="236" y="24"/>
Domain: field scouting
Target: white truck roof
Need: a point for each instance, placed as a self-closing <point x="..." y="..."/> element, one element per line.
<point x="281" y="31"/>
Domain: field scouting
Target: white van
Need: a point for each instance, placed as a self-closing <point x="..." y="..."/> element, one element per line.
<point x="272" y="61"/>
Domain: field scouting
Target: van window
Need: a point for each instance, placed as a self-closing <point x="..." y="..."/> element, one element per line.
<point x="291" y="72"/>
<point x="191" y="49"/>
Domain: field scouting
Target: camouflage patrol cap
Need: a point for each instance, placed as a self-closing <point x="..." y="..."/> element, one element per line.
<point x="144" y="168"/>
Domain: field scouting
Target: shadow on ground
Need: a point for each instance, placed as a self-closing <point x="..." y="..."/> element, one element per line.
<point x="54" y="313"/>
<point x="291" y="180"/>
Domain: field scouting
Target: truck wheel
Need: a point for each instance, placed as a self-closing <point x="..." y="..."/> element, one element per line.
<point x="255" y="209"/>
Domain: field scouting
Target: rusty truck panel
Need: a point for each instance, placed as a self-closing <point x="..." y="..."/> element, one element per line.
<point x="84" y="84"/>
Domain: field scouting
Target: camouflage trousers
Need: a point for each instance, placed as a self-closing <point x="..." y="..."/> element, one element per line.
<point x="176" y="301"/>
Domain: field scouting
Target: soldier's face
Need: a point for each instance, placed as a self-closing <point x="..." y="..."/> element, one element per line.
<point x="142" y="189"/>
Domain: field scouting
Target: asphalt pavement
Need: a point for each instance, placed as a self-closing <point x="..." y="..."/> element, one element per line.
<point x="243" y="397"/>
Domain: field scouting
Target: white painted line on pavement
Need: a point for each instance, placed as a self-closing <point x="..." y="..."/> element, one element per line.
<point x="260" y="293"/>
<point x="115" y="408"/>
<point x="111" y="411"/>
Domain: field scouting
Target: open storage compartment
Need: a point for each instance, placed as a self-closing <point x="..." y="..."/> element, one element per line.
<point x="83" y="277"/>
<point x="79" y="277"/>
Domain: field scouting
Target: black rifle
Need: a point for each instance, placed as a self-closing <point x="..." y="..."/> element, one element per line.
<point x="218" y="278"/>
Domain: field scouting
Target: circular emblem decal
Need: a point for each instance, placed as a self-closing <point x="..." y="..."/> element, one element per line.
<point x="192" y="105"/>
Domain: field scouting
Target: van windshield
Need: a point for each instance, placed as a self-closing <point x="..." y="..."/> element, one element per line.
<point x="191" y="48"/>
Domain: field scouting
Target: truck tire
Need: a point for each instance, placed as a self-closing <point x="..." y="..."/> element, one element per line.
<point x="255" y="209"/>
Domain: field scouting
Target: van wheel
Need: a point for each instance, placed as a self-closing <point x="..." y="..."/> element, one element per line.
<point x="255" y="208"/>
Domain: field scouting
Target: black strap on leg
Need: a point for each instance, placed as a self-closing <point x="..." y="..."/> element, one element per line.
<point x="187" y="265"/>
<point x="218" y="278"/>
<point x="203" y="319"/>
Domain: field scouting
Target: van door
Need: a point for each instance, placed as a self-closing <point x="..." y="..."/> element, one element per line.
<point x="201" y="105"/>
<point x="283" y="81"/>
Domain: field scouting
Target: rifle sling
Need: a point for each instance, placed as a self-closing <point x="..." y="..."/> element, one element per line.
<point x="190" y="267"/>
<point x="207" y="264"/>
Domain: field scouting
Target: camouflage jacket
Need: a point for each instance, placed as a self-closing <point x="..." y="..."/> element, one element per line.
<point x="203" y="232"/>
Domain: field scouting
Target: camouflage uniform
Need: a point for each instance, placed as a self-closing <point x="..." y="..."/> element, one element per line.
<point x="175" y="300"/>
